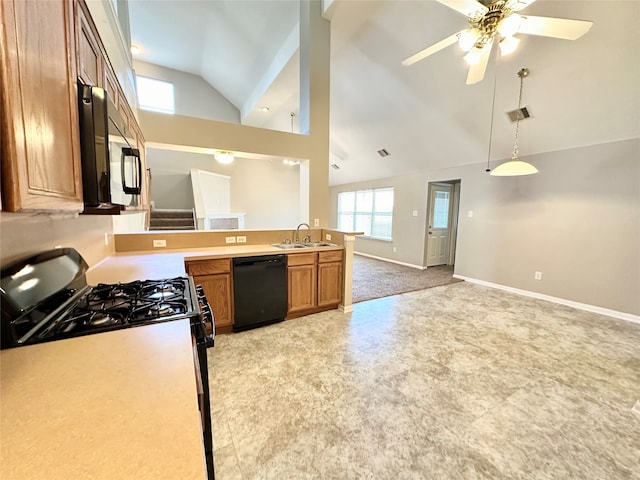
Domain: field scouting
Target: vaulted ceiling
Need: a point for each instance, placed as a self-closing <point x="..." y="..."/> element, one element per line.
<point x="579" y="93"/>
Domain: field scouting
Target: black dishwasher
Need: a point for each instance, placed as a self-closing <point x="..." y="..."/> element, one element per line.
<point x="259" y="291"/>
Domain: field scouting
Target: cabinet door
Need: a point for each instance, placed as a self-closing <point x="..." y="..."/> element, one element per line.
<point x="217" y="289"/>
<point x="329" y="283"/>
<point x="40" y="145"/>
<point x="301" y="286"/>
<point x="90" y="61"/>
<point x="110" y="83"/>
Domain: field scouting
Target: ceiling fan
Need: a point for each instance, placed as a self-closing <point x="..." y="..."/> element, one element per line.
<point x="491" y="19"/>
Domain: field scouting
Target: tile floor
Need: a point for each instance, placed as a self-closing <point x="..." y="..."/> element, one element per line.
<point x="459" y="381"/>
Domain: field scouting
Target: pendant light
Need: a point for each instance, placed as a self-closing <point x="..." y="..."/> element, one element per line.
<point x="515" y="166"/>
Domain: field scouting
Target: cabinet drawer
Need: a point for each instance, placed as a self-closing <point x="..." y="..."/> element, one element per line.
<point x="301" y="259"/>
<point x="207" y="267"/>
<point x="332" y="256"/>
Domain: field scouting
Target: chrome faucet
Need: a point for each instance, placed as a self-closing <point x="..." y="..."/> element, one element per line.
<point x="297" y="237"/>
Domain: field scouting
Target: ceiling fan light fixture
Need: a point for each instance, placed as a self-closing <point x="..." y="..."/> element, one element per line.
<point x="223" y="157"/>
<point x="473" y="56"/>
<point x="514" y="168"/>
<point x="508" y="45"/>
<point x="468" y="38"/>
<point x="510" y="25"/>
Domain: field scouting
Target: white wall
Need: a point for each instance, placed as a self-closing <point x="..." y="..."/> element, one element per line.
<point x="194" y="97"/>
<point x="266" y="190"/>
<point x="577" y="221"/>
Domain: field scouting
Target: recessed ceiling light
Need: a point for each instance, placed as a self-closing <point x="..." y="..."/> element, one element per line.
<point x="135" y="49"/>
<point x="264" y="109"/>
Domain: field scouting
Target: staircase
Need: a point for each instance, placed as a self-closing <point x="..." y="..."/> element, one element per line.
<point x="171" y="220"/>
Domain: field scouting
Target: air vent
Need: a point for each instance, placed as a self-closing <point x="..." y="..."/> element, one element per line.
<point x="335" y="166"/>
<point x="383" y="152"/>
<point x="518" y="114"/>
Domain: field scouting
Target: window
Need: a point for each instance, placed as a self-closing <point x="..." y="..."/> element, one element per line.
<point x="155" y="95"/>
<point x="368" y="211"/>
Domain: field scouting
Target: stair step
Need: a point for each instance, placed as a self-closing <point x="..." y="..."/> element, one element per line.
<point x="173" y="227"/>
<point x="171" y="221"/>
<point x="171" y="214"/>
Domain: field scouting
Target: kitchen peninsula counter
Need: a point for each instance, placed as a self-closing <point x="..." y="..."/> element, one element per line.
<point x="120" y="404"/>
<point x="164" y="263"/>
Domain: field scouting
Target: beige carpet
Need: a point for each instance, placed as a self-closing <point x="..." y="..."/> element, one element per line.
<point x="375" y="278"/>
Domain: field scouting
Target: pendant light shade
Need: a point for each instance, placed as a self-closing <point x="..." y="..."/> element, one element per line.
<point x="516" y="167"/>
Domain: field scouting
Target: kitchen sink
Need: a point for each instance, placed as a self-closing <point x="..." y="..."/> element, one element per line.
<point x="288" y="245"/>
<point x="303" y="245"/>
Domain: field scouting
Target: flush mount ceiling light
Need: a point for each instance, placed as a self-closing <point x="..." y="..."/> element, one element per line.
<point x="491" y="19"/>
<point x="264" y="109"/>
<point x="223" y="157"/>
<point x="135" y="49"/>
<point x="515" y="166"/>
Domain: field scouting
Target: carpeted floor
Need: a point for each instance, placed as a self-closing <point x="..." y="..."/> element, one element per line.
<point x="375" y="278"/>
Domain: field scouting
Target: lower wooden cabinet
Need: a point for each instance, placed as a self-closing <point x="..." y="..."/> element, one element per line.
<point x="329" y="283"/>
<point x="301" y="287"/>
<point x="215" y="278"/>
<point x="314" y="282"/>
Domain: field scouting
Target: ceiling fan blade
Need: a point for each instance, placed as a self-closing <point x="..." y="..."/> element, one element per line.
<point x="465" y="7"/>
<point x="476" y="72"/>
<point x="521" y="4"/>
<point x="436" y="47"/>
<point x="554" y="27"/>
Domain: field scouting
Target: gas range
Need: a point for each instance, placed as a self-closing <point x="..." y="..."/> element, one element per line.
<point x="46" y="298"/>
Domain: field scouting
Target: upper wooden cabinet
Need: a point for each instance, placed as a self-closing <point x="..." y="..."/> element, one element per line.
<point x="89" y="56"/>
<point x="40" y="145"/>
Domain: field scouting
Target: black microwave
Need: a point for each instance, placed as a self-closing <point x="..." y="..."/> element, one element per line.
<point x="111" y="166"/>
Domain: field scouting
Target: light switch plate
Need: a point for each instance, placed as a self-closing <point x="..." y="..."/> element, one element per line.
<point x="241" y="239"/>
<point x="316" y="222"/>
<point x="470" y="214"/>
<point x="414" y="213"/>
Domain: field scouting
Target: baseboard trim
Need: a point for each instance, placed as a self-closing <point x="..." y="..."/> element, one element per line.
<point x="344" y="309"/>
<point x="569" y="303"/>
<point x="419" y="267"/>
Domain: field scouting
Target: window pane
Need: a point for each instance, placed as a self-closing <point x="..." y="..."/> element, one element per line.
<point x="155" y="95"/>
<point x="345" y="222"/>
<point x="363" y="223"/>
<point x="381" y="227"/>
<point x="346" y="202"/>
<point x="367" y="211"/>
<point x="384" y="200"/>
<point x="364" y="201"/>
<point x="441" y="210"/>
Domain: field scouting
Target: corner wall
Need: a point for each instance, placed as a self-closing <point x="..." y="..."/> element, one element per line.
<point x="577" y="222"/>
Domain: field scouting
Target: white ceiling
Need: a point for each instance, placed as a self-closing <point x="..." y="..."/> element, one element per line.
<point x="579" y="93"/>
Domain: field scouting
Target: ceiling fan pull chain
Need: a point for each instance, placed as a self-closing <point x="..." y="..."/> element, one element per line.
<point x="523" y="72"/>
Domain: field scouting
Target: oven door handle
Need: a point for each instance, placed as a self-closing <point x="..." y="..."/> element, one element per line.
<point x="201" y="334"/>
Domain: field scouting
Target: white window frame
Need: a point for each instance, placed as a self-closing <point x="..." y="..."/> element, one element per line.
<point x="156" y="108"/>
<point x="373" y="213"/>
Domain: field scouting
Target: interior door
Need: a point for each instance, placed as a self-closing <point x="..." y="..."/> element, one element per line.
<point x="439" y="228"/>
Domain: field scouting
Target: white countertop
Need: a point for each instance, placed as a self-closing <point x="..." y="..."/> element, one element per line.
<point x="115" y="405"/>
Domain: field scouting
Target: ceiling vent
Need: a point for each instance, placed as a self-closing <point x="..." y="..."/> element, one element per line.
<point x="383" y="152"/>
<point x="518" y="114"/>
<point x="334" y="165"/>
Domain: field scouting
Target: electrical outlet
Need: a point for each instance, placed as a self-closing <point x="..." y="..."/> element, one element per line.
<point x="241" y="239"/>
<point x="159" y="243"/>
<point x="316" y="222"/>
<point x="106" y="239"/>
<point x="538" y="276"/>
<point x="230" y="239"/>
<point x="394" y="249"/>
<point x="327" y="236"/>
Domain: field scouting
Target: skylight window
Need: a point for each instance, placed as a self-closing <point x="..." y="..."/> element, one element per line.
<point x="155" y="95"/>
